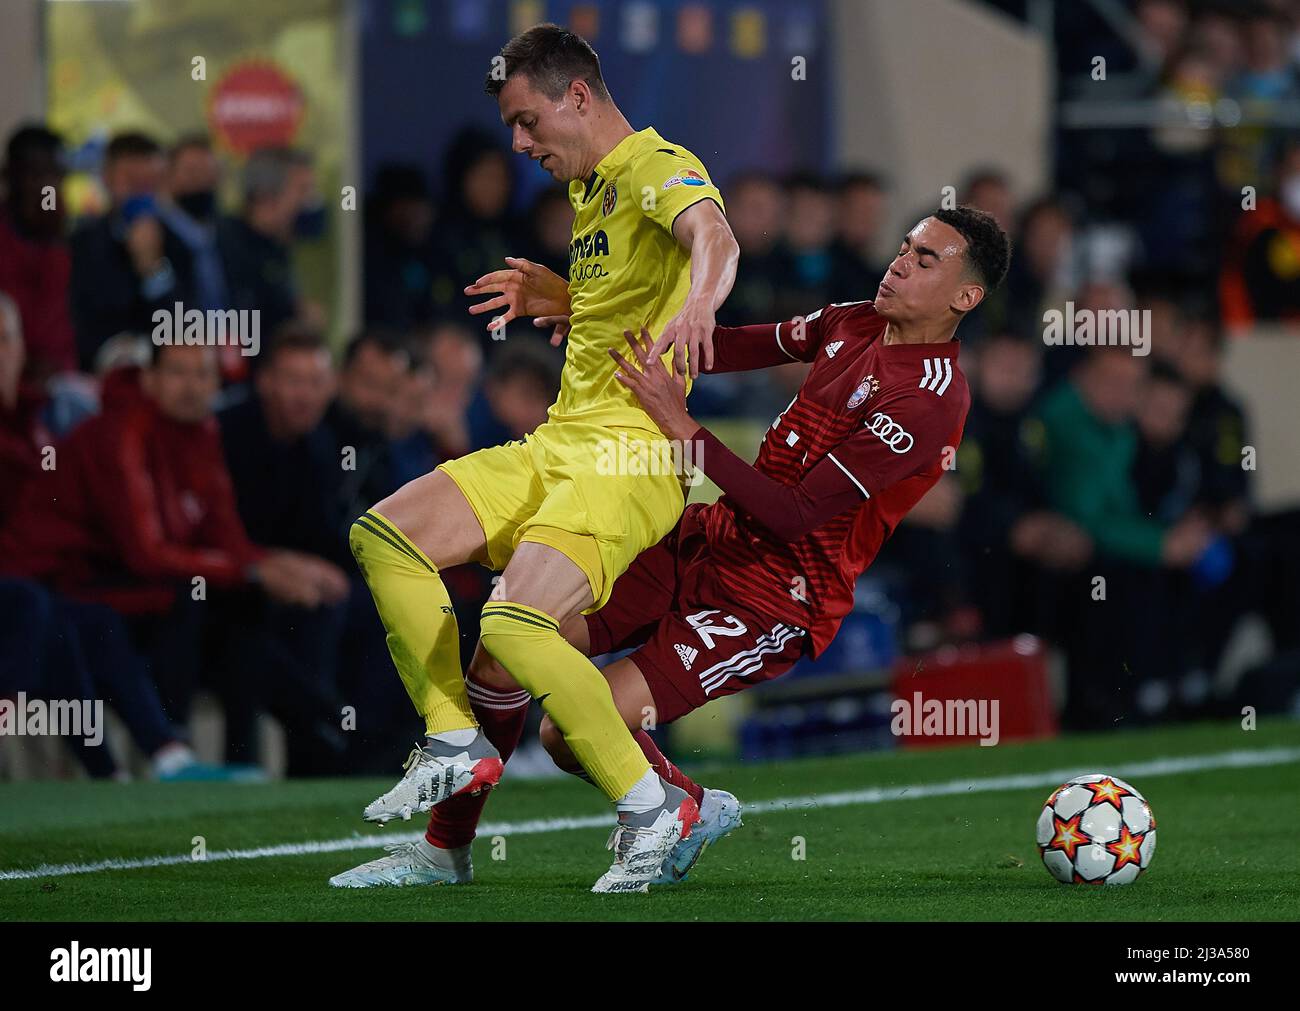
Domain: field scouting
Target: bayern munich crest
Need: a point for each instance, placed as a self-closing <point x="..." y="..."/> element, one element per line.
<point x="610" y="198"/>
<point x="865" y="389"/>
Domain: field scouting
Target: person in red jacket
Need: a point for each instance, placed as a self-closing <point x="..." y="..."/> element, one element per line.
<point x="35" y="264"/>
<point x="21" y="432"/>
<point x="138" y="511"/>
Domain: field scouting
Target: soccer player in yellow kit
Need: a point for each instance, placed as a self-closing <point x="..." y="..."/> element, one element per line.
<point x="650" y="247"/>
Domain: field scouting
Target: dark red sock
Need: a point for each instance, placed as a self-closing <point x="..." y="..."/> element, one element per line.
<point x="666" y="770"/>
<point x="502" y="716"/>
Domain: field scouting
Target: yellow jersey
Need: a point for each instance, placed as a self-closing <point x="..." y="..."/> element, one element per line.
<point x="626" y="270"/>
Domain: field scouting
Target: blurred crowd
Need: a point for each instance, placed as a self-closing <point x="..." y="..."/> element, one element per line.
<point x="1176" y="120"/>
<point x="174" y="518"/>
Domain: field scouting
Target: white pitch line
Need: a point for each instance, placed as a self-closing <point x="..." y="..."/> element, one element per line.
<point x="874" y="795"/>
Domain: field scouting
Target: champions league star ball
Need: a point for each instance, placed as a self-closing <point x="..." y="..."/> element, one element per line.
<point x="1096" y="830"/>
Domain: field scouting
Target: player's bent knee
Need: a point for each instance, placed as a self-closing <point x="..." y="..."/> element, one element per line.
<point x="486" y="670"/>
<point x="356" y="535"/>
<point x="552" y="740"/>
<point x="371" y="542"/>
<point x="511" y="633"/>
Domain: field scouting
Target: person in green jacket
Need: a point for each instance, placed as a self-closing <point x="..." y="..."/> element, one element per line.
<point x="1126" y="630"/>
<point x="1089" y="445"/>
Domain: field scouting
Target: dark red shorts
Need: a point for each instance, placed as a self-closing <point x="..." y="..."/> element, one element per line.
<point x="695" y="642"/>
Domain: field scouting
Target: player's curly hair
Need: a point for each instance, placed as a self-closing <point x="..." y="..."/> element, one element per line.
<point x="551" y="57"/>
<point x="988" y="250"/>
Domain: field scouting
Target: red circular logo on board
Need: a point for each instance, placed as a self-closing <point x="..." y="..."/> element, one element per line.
<point x="254" y="105"/>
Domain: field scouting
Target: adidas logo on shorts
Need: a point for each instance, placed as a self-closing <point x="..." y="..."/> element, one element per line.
<point x="688" y="654"/>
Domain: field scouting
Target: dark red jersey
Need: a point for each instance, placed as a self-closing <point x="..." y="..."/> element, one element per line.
<point x="888" y="416"/>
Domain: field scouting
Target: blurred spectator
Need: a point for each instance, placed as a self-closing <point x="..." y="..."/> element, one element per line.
<point x="1166" y="471"/>
<point x="1261" y="275"/>
<point x="756" y="213"/>
<point x="1192" y="77"/>
<point x="522" y="383"/>
<point x="126" y="263"/>
<point x="1161" y="24"/>
<point x="1216" y="428"/>
<point x="22" y="433"/>
<point x="286" y="475"/>
<point x="923" y="558"/>
<point x="860" y="216"/>
<point x="35" y="264"/>
<point x="1197" y="615"/>
<point x="281" y="460"/>
<point x="989" y="190"/>
<point x="550" y="230"/>
<point x="1041" y="275"/>
<point x="1268" y="75"/>
<point x="399" y="249"/>
<point x="475" y="231"/>
<point x="1097" y="297"/>
<point x="1090" y="443"/>
<point x="1217" y="35"/>
<point x="1125" y="603"/>
<point x="359" y="420"/>
<point x="193" y="179"/>
<point x="280" y="206"/>
<point x="453" y="355"/>
<point x="414" y="450"/>
<point x="1012" y="541"/>
<point x="809" y="233"/>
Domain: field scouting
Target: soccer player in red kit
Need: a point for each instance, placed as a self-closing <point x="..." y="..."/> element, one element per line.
<point x="743" y="588"/>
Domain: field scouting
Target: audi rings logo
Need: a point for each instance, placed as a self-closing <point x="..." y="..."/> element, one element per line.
<point x="890" y="432"/>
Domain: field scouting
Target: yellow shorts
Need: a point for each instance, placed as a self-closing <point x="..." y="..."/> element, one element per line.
<point x="600" y="495"/>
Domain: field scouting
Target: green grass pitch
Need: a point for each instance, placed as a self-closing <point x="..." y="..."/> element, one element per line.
<point x="1227" y="843"/>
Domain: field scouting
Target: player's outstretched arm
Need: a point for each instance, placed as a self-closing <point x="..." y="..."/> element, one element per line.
<point x="525" y="288"/>
<point x="703" y="230"/>
<point x="758" y="346"/>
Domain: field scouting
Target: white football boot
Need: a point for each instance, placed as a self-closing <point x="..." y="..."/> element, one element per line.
<point x="642" y="842"/>
<point x="434" y="773"/>
<point x="410" y="863"/>
<point x="719" y="814"/>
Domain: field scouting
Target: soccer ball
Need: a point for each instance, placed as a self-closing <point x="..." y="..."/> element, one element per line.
<point x="1096" y="830"/>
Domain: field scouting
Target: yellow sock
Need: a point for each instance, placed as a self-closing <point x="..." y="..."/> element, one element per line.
<point x="574" y="694"/>
<point x="416" y="611"/>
